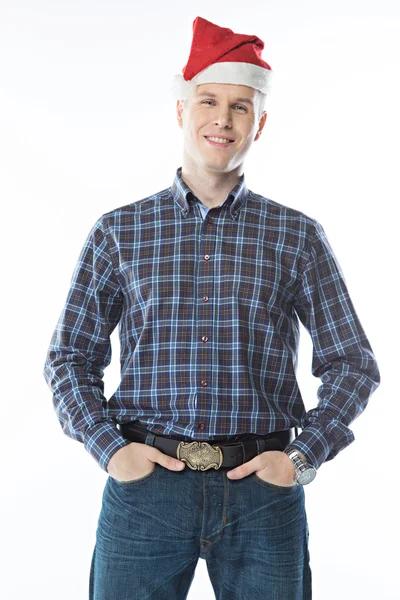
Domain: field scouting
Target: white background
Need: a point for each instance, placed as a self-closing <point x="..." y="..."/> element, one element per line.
<point x="87" y="125"/>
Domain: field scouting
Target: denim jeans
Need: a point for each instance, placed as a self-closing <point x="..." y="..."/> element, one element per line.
<point x="151" y="532"/>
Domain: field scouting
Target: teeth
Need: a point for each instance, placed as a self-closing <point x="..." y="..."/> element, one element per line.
<point x="218" y="140"/>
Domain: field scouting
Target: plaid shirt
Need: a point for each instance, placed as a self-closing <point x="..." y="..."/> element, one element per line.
<point x="208" y="310"/>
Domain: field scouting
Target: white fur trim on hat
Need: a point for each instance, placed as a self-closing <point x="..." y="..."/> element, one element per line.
<point x="239" y="73"/>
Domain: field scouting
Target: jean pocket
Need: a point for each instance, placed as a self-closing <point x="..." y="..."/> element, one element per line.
<point x="139" y="480"/>
<point x="274" y="486"/>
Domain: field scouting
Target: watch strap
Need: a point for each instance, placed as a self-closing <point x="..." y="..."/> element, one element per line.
<point x="303" y="469"/>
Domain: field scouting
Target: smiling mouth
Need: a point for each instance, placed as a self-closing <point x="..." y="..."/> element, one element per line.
<point x="218" y="142"/>
<point x="216" y="138"/>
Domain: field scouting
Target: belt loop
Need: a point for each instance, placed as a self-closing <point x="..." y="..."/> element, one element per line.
<point x="150" y="437"/>
<point x="260" y="445"/>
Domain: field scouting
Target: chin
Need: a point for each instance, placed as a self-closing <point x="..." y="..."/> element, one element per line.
<point x="218" y="168"/>
<point x="220" y="164"/>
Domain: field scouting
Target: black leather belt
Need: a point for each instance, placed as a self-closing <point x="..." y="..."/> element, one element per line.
<point x="199" y="455"/>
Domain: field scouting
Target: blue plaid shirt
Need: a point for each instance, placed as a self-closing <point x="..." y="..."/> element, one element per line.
<point x="208" y="307"/>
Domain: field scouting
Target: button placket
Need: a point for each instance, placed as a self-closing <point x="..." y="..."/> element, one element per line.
<point x="205" y="308"/>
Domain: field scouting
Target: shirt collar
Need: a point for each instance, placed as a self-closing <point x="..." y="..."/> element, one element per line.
<point x="183" y="195"/>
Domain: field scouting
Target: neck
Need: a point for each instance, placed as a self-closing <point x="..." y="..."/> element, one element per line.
<point x="210" y="187"/>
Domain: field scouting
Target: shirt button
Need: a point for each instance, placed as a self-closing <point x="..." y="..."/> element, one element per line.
<point x="204" y="338"/>
<point x="203" y="382"/>
<point x="206" y="257"/>
<point x="202" y="426"/>
<point x="205" y="298"/>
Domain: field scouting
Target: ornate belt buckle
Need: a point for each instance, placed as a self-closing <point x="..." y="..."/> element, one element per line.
<point x="200" y="455"/>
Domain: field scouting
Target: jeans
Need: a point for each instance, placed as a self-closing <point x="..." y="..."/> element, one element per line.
<point x="151" y="532"/>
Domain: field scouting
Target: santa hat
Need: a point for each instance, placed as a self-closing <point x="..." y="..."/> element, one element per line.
<point x="218" y="55"/>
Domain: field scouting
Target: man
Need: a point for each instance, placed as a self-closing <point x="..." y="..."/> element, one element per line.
<point x="207" y="281"/>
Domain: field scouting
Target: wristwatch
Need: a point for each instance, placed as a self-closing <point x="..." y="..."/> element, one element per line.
<point x="305" y="473"/>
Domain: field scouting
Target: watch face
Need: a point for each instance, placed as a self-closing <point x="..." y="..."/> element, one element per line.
<point x="307" y="476"/>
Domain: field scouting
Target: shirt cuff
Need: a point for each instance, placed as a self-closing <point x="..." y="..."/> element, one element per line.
<point x="317" y="445"/>
<point x="103" y="440"/>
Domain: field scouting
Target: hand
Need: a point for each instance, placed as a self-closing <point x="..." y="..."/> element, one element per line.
<point x="137" y="460"/>
<point x="273" y="466"/>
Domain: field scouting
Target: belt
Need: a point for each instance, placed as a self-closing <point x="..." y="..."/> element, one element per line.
<point x="212" y="454"/>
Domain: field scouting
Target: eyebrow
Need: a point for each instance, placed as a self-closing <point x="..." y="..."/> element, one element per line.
<point x="246" y="100"/>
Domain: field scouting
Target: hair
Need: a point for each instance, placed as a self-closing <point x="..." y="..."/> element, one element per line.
<point x="260" y="104"/>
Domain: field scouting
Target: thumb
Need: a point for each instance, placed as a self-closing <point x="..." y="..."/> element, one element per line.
<point x="245" y="469"/>
<point x="169" y="462"/>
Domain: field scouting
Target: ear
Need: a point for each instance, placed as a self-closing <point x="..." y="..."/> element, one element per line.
<point x="261" y="124"/>
<point x="179" y="111"/>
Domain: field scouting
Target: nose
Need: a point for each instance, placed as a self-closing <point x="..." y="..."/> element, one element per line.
<point x="224" y="119"/>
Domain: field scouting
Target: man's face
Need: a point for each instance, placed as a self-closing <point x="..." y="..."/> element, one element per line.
<point x="220" y="110"/>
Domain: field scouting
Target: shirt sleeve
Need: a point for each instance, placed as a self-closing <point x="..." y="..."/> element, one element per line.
<point x="342" y="356"/>
<point x="80" y="350"/>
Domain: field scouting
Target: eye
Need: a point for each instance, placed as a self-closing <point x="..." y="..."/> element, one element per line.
<point x="239" y="105"/>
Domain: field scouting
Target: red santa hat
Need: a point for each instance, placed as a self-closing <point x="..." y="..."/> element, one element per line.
<point x="218" y="55"/>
